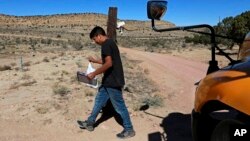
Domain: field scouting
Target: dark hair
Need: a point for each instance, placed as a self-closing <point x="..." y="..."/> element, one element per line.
<point x="97" y="31"/>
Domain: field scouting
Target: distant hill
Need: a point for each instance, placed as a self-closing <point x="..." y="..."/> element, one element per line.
<point x="71" y="22"/>
<point x="68" y="29"/>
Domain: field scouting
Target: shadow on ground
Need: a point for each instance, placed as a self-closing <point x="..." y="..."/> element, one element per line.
<point x="108" y="112"/>
<point x="176" y="126"/>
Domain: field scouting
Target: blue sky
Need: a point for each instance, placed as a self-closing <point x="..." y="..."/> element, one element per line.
<point x="180" y="12"/>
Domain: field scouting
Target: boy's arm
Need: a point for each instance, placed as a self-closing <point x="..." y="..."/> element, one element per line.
<point x="102" y="69"/>
<point x="98" y="61"/>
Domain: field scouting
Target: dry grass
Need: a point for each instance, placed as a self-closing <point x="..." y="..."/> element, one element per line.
<point x="42" y="110"/>
<point x="139" y="89"/>
<point x="89" y="93"/>
<point x="26" y="77"/>
<point x="16" y="85"/>
<point x="60" y="90"/>
<point x="79" y="64"/>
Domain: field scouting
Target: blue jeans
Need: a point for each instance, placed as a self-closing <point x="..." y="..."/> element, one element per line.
<point x="118" y="103"/>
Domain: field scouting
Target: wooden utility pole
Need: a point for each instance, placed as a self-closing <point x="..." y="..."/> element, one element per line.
<point x="112" y="21"/>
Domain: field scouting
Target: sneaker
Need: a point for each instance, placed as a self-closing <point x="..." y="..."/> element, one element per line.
<point x="86" y="125"/>
<point x="126" y="134"/>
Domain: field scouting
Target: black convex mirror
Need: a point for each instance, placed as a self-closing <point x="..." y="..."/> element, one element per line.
<point x="156" y="9"/>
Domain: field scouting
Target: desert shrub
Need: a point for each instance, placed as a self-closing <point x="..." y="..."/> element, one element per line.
<point x="53" y="57"/>
<point x="61" y="54"/>
<point x="65" y="46"/>
<point x="89" y="93"/>
<point x="188" y="39"/>
<point x="49" y="41"/>
<point x="55" y="73"/>
<point x="27" y="63"/>
<point x="42" y="110"/>
<point x="61" y="90"/>
<point x="26" y="83"/>
<point x="5" y="67"/>
<point x="46" y="41"/>
<point x="18" y="40"/>
<point x="73" y="79"/>
<point x="183" y="45"/>
<point x="79" y="64"/>
<point x="43" y="41"/>
<point x="45" y="59"/>
<point x="77" y="45"/>
<point x="33" y="47"/>
<point x="48" y="78"/>
<point x="146" y="71"/>
<point x="25" y="77"/>
<point x="153" y="101"/>
<point x="154" y="44"/>
<point x="65" y="72"/>
<point x="29" y="83"/>
<point x="13" y="64"/>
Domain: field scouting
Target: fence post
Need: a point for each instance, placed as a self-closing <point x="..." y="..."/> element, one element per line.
<point x="21" y="63"/>
<point x="112" y="21"/>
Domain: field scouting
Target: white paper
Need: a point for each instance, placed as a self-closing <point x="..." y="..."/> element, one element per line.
<point x="89" y="70"/>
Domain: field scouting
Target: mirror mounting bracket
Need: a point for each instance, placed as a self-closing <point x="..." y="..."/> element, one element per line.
<point x="213" y="64"/>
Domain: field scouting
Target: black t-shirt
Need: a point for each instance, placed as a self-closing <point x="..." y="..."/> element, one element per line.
<point x="114" y="76"/>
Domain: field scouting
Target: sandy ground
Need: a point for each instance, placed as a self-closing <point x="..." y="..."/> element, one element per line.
<point x="34" y="113"/>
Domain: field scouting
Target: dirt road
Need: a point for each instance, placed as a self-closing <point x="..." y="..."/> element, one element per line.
<point x="175" y="76"/>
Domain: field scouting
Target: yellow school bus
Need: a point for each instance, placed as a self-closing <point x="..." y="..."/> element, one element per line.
<point x="222" y="97"/>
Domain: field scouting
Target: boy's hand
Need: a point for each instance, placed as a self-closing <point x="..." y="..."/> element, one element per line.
<point x="91" y="59"/>
<point x="91" y="75"/>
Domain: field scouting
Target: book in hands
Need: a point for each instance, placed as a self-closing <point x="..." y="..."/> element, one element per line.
<point x="82" y="77"/>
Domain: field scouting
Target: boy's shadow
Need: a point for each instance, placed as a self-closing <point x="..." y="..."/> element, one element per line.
<point x="108" y="112"/>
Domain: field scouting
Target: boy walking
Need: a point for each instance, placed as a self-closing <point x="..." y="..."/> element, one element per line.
<point x="112" y="83"/>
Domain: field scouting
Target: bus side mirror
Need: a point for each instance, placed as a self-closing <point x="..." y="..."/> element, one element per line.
<point x="156" y="9"/>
